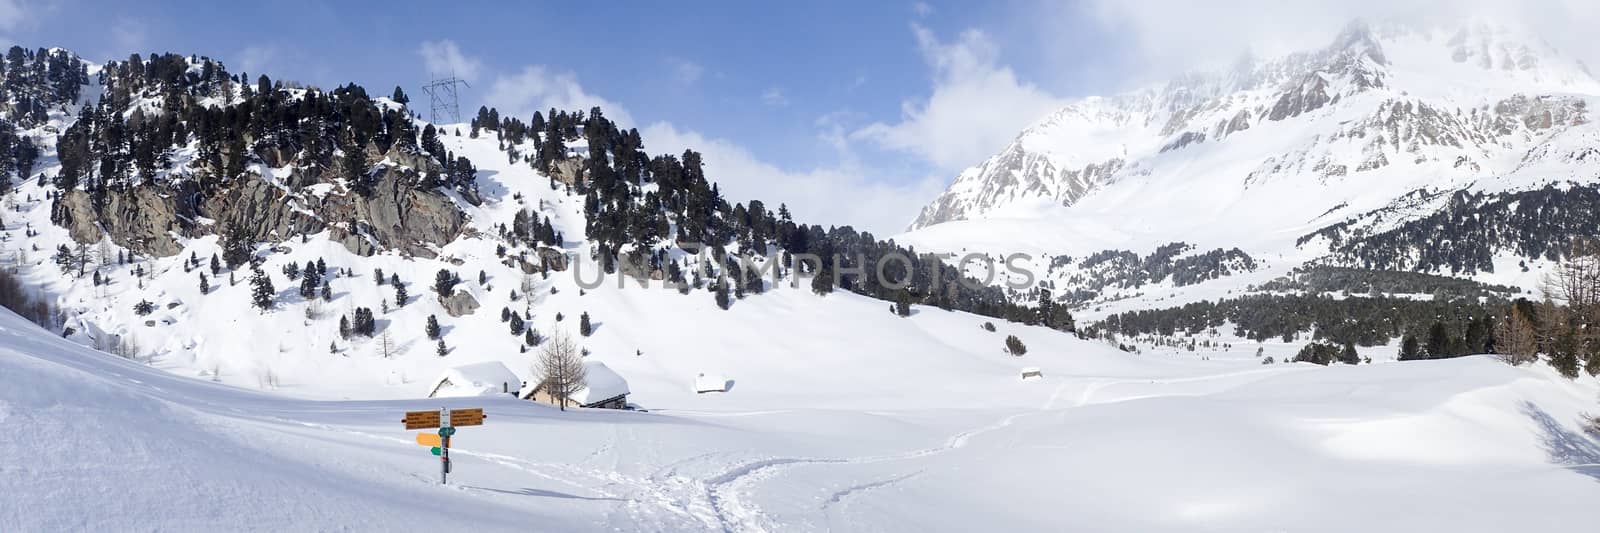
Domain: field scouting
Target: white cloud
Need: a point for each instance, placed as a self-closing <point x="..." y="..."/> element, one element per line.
<point x="832" y="194"/>
<point x="977" y="105"/>
<point x="684" y="72"/>
<point x="813" y="195"/>
<point x="922" y="9"/>
<point x="538" y="88"/>
<point x="838" y="195"/>
<point x="258" y="59"/>
<point x="774" y="97"/>
<point x="443" y="58"/>
<point x="128" y="36"/>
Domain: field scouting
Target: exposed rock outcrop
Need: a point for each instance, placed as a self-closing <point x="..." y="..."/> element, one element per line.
<point x="143" y="218"/>
<point x="459" y="303"/>
<point x="397" y="214"/>
<point x="569" y="171"/>
<point x="552" y="258"/>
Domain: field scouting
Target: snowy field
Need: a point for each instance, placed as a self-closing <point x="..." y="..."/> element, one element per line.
<point x="838" y="414"/>
<point x="1105" y="442"/>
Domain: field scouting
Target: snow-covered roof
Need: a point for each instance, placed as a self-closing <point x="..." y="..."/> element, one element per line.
<point x="477" y="379"/>
<point x="710" y="382"/>
<point x="600" y="383"/>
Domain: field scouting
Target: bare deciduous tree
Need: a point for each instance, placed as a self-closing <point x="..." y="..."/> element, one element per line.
<point x="1516" y="340"/>
<point x="386" y="344"/>
<point x="561" y="366"/>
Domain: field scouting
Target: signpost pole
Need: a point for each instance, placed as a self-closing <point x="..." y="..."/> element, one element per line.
<point x="447" y="421"/>
<point x="444" y="447"/>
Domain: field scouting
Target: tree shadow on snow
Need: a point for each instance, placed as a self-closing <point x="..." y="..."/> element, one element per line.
<point x="1571" y="449"/>
<point x="548" y="494"/>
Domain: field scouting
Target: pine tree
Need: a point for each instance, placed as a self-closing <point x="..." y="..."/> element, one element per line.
<point x="442" y="350"/>
<point x="310" y="283"/>
<point x="1014" y="346"/>
<point x="327" y="292"/>
<point x="822" y="284"/>
<point x="1477" y="339"/>
<point x="1564" y="355"/>
<point x="344" y="327"/>
<point x="216" y="265"/>
<point x="236" y="247"/>
<point x="400" y="295"/>
<point x="531" y="337"/>
<point x="377" y="276"/>
<point x="1347" y="354"/>
<point x="1439" y="341"/>
<point x="205" y="285"/>
<point x="1409" y="349"/>
<point x="584" y="328"/>
<point x="516" y="324"/>
<point x="433" y="327"/>
<point x="262" y="292"/>
<point x="722" y="295"/>
<point x="444" y="282"/>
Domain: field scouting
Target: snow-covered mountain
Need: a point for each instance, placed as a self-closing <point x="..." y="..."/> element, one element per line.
<point x="1382" y="109"/>
<point x="1395" y="147"/>
<point x="242" y="284"/>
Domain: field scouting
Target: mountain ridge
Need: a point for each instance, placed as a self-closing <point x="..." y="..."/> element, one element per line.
<point x="1522" y="94"/>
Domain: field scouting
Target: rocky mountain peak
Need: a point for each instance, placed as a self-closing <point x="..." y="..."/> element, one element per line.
<point x="1378" y="95"/>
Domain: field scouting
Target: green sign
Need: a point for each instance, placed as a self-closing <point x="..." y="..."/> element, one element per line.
<point x="447" y="431"/>
<point x="436" y="450"/>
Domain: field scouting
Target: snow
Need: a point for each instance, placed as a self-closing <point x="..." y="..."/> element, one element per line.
<point x="600" y="383"/>
<point x="1261" y="189"/>
<point x="704" y="383"/>
<point x="477" y="379"/>
<point x="1113" y="443"/>
<point x="845" y="416"/>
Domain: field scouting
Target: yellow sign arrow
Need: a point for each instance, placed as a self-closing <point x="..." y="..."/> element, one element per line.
<point x="427" y="439"/>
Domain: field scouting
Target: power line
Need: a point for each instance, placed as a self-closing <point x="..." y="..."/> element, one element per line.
<point x="442" y="98"/>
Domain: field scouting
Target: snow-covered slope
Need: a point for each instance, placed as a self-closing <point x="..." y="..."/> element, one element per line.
<point x="1238" y="170"/>
<point x="1255" y="154"/>
<point x="1104" y="442"/>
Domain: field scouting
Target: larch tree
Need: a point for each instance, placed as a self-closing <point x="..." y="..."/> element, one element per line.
<point x="1516" y="341"/>
<point x="561" y="367"/>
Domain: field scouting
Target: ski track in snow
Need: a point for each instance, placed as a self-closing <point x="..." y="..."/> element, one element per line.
<point x="728" y="493"/>
<point x="637" y="496"/>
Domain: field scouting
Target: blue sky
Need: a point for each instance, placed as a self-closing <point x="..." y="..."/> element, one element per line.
<point x="852" y="112"/>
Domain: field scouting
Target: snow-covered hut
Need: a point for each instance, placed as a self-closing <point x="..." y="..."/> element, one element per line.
<point x="477" y="379"/>
<point x="602" y="388"/>
<point x="710" y="382"/>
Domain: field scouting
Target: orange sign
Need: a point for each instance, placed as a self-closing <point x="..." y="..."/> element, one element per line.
<point x="422" y="419"/>
<point x="428" y="439"/>
<point x="466" y="417"/>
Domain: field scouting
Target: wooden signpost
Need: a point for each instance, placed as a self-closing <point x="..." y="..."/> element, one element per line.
<point x="439" y="442"/>
<point x="466" y="417"/>
<point x="421" y="419"/>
